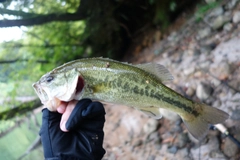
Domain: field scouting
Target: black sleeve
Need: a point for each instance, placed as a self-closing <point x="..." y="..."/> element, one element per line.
<point x="85" y="137"/>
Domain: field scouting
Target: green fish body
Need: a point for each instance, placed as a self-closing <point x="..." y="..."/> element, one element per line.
<point x="139" y="86"/>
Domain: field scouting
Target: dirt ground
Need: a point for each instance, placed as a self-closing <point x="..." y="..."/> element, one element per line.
<point x="204" y="58"/>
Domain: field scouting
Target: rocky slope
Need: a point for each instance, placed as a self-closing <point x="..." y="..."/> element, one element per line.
<point x="204" y="58"/>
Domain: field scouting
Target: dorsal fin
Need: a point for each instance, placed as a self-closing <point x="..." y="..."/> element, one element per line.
<point x="158" y="70"/>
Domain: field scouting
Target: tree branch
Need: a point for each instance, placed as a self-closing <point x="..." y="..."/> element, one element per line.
<point x="9" y="130"/>
<point x="20" y="110"/>
<point x="17" y="60"/>
<point x="35" y="144"/>
<point x="19" y="45"/>
<point x="17" y="13"/>
<point x="42" y="19"/>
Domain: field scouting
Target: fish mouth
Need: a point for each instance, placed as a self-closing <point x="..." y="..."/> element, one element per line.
<point x="41" y="93"/>
<point x="45" y="99"/>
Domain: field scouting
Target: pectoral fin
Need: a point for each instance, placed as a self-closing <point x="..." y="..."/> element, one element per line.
<point x="153" y="112"/>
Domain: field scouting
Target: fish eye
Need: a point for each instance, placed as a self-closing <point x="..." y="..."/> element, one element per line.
<point x="49" y="78"/>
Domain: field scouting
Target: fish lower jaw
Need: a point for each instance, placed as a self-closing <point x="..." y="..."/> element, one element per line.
<point x="52" y="105"/>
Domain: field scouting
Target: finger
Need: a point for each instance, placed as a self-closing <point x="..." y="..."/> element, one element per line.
<point x="61" y="109"/>
<point x="71" y="105"/>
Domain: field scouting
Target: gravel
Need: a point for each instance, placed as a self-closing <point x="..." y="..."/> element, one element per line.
<point x="205" y="63"/>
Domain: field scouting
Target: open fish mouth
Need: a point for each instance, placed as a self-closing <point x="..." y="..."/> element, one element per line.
<point x="75" y="92"/>
<point x="41" y="93"/>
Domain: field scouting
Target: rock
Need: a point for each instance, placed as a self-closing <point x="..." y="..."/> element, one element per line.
<point x="216" y="103"/>
<point x="155" y="137"/>
<point x="172" y="149"/>
<point x="236" y="115"/>
<point x="151" y="157"/>
<point x="227" y="51"/>
<point x="150" y="126"/>
<point x="230" y="149"/>
<point x="198" y="74"/>
<point x="228" y="27"/>
<point x="189" y="71"/>
<point x="204" y="91"/>
<point x="125" y="125"/>
<point x="183" y="154"/>
<point x="137" y="143"/>
<point x="205" y="149"/>
<point x="235" y="83"/>
<point x="223" y="61"/>
<point x="205" y="65"/>
<point x="231" y="4"/>
<point x="220" y="21"/>
<point x="210" y="1"/>
<point x="157" y="145"/>
<point x="216" y="154"/>
<point x="204" y="33"/>
<point x="215" y="82"/>
<point x="236" y="97"/>
<point x="181" y="140"/>
<point x="173" y="37"/>
<point x="216" y="12"/>
<point x="236" y="17"/>
<point x="172" y="116"/>
<point x="176" y="127"/>
<point x="190" y="91"/>
<point x="221" y="70"/>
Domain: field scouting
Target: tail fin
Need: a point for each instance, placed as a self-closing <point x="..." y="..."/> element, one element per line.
<point x="200" y="125"/>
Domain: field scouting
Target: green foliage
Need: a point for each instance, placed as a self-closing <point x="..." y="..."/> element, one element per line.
<point x="163" y="11"/>
<point x="203" y="8"/>
<point x="103" y="31"/>
<point x="14" y="144"/>
<point x="4" y="125"/>
<point x="56" y="42"/>
<point x="173" y="6"/>
<point x="53" y="43"/>
<point x="41" y="6"/>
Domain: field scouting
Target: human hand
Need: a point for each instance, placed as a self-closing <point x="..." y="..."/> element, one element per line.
<point x="66" y="109"/>
<point x="76" y="132"/>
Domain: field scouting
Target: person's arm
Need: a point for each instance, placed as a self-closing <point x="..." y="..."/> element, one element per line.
<point x="82" y="133"/>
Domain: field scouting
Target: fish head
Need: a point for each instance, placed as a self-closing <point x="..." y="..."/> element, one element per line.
<point x="59" y="85"/>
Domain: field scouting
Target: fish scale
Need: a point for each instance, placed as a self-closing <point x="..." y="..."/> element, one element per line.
<point x="164" y="99"/>
<point x="138" y="86"/>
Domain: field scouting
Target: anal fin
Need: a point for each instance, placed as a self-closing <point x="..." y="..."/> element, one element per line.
<point x="153" y="112"/>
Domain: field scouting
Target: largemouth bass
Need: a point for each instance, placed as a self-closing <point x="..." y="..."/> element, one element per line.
<point x="139" y="86"/>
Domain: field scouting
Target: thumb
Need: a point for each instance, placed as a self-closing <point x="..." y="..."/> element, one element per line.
<point x="65" y="116"/>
